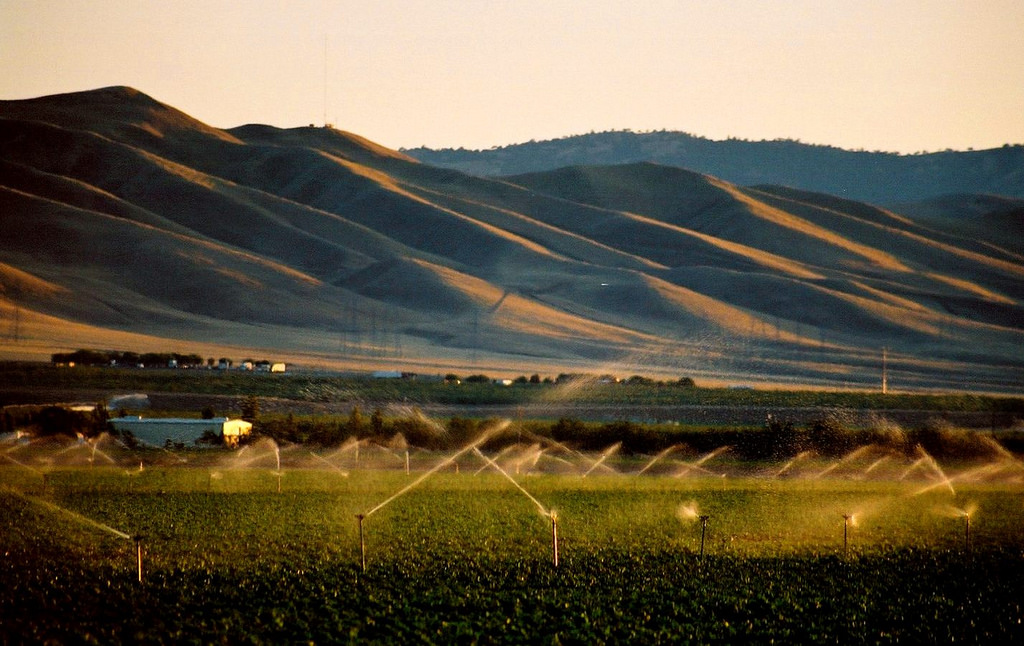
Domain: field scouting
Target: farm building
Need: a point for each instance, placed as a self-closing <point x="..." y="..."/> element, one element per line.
<point x="159" y="431"/>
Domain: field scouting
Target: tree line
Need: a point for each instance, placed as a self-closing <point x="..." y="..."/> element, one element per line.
<point x="126" y="358"/>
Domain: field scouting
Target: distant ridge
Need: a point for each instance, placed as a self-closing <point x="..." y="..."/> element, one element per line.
<point x="875" y="177"/>
<point x="125" y="223"/>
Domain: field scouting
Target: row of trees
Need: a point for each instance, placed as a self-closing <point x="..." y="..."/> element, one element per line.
<point x="143" y="360"/>
<point x="56" y="420"/>
<point x="777" y="439"/>
<point x="126" y="358"/>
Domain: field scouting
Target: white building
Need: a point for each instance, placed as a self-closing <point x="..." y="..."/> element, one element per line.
<point x="158" y="431"/>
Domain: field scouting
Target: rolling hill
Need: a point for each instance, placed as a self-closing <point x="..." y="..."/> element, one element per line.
<point x="877" y="177"/>
<point x="127" y="224"/>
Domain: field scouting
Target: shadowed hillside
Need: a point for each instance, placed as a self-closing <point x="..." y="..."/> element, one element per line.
<point x="129" y="221"/>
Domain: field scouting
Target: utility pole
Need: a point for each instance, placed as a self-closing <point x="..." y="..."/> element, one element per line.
<point x="885" y="370"/>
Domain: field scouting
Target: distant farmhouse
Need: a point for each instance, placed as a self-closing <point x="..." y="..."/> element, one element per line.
<point x="160" y="431"/>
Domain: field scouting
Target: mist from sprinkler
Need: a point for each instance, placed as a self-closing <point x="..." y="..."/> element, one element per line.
<point x="608" y="452"/>
<point x="437" y="467"/>
<point x="849" y="457"/>
<point x="85" y="520"/>
<point x="540" y="507"/>
<point x="500" y="454"/>
<point x="874" y="465"/>
<point x="688" y="511"/>
<point x="789" y="465"/>
<point x="665" y="453"/>
<point x="23" y="465"/>
<point x="943" y="478"/>
<point x="497" y="467"/>
<point x="555" y="444"/>
<point x="343" y="473"/>
<point x="95" y="442"/>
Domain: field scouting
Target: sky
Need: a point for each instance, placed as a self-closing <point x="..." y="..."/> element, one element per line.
<point x="893" y="75"/>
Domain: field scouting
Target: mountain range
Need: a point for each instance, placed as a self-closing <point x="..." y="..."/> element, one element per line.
<point x="884" y="179"/>
<point x="127" y="224"/>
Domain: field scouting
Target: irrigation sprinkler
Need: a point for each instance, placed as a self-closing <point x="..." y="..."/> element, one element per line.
<point x="138" y="552"/>
<point x="846" y="527"/>
<point x="554" y="538"/>
<point x="703" y="528"/>
<point x="407" y="462"/>
<point x="967" y="534"/>
<point x="544" y="512"/>
<point x="362" y="543"/>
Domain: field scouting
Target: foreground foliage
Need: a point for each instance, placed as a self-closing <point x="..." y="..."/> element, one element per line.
<point x="464" y="558"/>
<point x="608" y="596"/>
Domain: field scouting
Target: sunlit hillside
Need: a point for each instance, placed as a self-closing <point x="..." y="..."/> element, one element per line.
<point x="125" y="223"/>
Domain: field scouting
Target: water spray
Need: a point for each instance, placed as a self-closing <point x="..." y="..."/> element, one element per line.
<point x="84" y="520"/>
<point x="794" y="460"/>
<point x="656" y="458"/>
<point x="604" y="456"/>
<point x="852" y="455"/>
<point x="518" y="486"/>
<point x="550" y="513"/>
<point x="440" y="465"/>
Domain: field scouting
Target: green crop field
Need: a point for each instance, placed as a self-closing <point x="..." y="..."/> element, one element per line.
<point x="587" y="389"/>
<point x="265" y="547"/>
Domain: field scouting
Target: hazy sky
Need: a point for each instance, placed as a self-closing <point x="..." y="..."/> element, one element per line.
<point x="898" y="75"/>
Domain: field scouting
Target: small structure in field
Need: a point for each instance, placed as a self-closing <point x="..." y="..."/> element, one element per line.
<point x="266" y="366"/>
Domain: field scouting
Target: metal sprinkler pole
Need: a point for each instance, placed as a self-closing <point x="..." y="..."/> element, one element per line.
<point x="362" y="544"/>
<point x="703" y="527"/>
<point x="138" y="551"/>
<point x="554" y="537"/>
<point x="967" y="534"/>
<point x="846" y="525"/>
